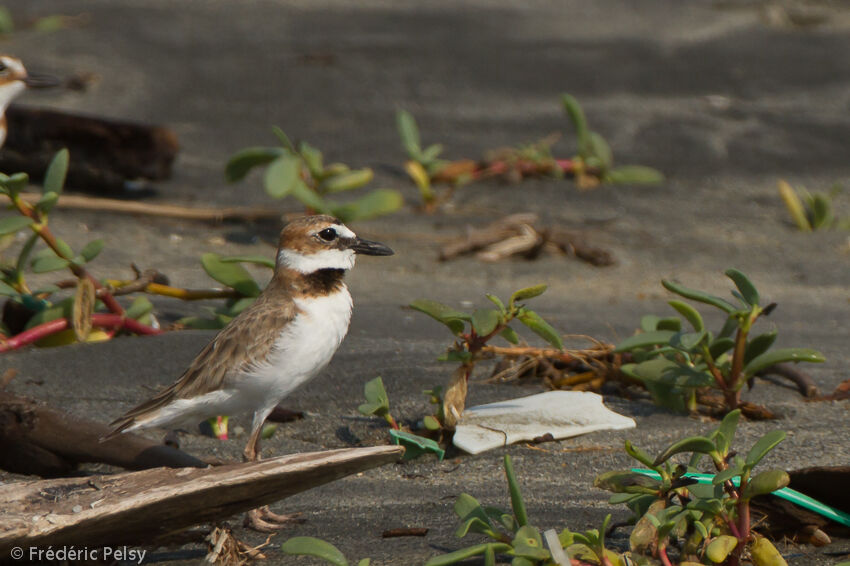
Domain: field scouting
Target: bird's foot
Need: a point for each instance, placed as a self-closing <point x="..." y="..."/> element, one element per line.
<point x="265" y="520"/>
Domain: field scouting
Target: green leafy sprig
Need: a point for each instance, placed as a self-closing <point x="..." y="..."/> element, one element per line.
<point x="300" y="172"/>
<point x="73" y="318"/>
<point x="474" y="330"/>
<point x="812" y="211"/>
<point x="593" y="164"/>
<point x="676" y="364"/>
<point x="378" y="404"/>
<point x="512" y="534"/>
<point x="705" y="521"/>
<point x="46" y="317"/>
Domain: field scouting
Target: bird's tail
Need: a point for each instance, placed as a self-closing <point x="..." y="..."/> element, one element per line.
<point x="141" y="415"/>
<point x="119" y="426"/>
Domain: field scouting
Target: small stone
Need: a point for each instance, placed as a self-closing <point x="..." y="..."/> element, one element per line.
<point x="77" y="508"/>
<point x="718" y="101"/>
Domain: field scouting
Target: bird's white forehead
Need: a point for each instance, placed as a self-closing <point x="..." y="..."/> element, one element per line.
<point x="341" y="229"/>
<point x="306" y="231"/>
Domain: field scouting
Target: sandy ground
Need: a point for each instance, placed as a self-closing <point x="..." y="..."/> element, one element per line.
<point x="723" y="97"/>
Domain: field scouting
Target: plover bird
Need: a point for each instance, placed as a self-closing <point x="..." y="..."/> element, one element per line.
<point x="13" y="81"/>
<point x="285" y="338"/>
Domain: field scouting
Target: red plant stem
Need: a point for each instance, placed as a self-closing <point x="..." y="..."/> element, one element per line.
<point x="475" y="343"/>
<point x="107" y="298"/>
<point x="101" y="320"/>
<point x="738" y="357"/>
<point x="221" y="429"/>
<point x="34" y="334"/>
<point x="117" y="321"/>
<point x="79" y="271"/>
<point x="733" y="528"/>
<point x="743" y="526"/>
<point x="715" y="373"/>
<point x="467" y="371"/>
<point x="662" y="555"/>
<point x="392" y="422"/>
<point x="524" y="166"/>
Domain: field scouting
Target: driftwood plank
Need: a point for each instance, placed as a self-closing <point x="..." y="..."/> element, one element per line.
<point x="105" y="153"/>
<point x="140" y="507"/>
<point x="35" y="439"/>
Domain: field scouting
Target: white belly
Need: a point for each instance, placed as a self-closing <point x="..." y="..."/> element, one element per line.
<point x="301" y="351"/>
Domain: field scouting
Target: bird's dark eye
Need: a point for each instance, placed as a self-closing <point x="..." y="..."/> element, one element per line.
<point x="2" y="67"/>
<point x="328" y="234"/>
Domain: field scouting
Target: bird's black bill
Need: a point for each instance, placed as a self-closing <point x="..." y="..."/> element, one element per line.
<point x="367" y="247"/>
<point x="38" y="80"/>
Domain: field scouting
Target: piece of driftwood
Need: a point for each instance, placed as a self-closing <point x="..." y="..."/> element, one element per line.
<point x="35" y="439"/>
<point x="521" y="235"/>
<point x="105" y="153"/>
<point x="142" y="507"/>
<point x="826" y="484"/>
<point x="830" y="484"/>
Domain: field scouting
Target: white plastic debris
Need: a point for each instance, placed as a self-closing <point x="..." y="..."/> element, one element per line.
<point x="560" y="413"/>
<point x="555" y="549"/>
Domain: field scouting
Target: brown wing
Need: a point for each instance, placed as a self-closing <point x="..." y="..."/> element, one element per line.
<point x="227" y="354"/>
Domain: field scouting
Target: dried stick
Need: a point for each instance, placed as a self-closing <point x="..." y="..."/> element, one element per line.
<point x="601" y="351"/>
<point x="805" y="384"/>
<point x="479" y="238"/>
<point x="146" y="283"/>
<point x="519" y="234"/>
<point x="162" y="210"/>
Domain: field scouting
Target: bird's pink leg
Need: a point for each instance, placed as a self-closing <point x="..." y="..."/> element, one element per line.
<point x="263" y="519"/>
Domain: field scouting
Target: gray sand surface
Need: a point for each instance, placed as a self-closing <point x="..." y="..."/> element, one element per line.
<point x="722" y="97"/>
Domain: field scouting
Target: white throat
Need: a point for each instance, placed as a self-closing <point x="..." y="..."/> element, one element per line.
<point x="325" y="259"/>
<point x="8" y="92"/>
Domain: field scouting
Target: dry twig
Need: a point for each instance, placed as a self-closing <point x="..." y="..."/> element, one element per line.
<point x="226" y="550"/>
<point x="521" y="235"/>
<point x="561" y="368"/>
<point x="162" y="210"/>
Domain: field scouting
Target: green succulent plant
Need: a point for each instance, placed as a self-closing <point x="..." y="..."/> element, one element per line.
<point x="300" y="172"/>
<point x="676" y="363"/>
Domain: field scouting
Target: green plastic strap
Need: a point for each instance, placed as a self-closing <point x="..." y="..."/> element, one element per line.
<point x="786" y="493"/>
